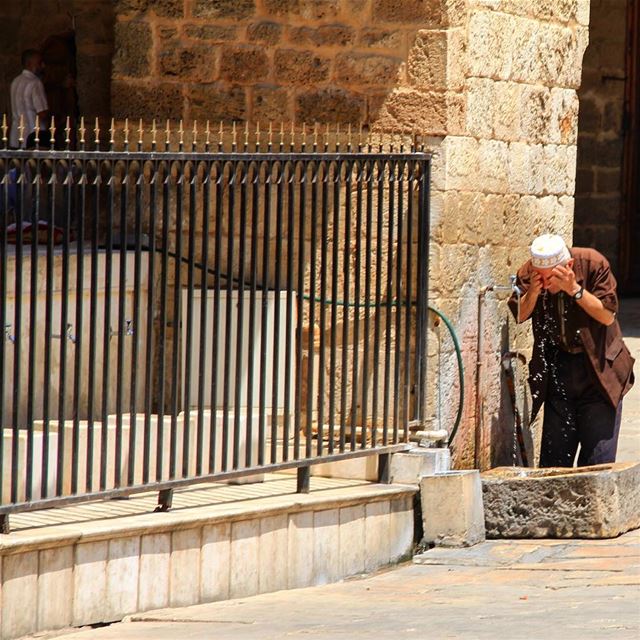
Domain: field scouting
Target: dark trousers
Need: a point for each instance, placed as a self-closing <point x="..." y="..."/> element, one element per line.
<point x="577" y="413"/>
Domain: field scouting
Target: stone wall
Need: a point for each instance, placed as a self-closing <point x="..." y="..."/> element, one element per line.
<point x="302" y="60"/>
<point x="29" y="23"/>
<point x="601" y="131"/>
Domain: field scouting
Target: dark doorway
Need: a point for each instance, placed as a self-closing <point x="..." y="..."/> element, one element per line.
<point x="59" y="53"/>
<point x="630" y="228"/>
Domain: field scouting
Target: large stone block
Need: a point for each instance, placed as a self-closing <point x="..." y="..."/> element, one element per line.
<point x="155" y="555"/>
<point x="299" y="67"/>
<point x="265" y="32"/>
<point x="406" y="109"/>
<point x="329" y="105"/>
<point x="328" y="35"/>
<point x="602" y="501"/>
<point x="163" y="8"/>
<point x="366" y="70"/>
<point x="270" y="103"/>
<point x="216" y="102"/>
<point x="373" y="38"/>
<point x="213" y="32"/>
<point x="55" y="584"/>
<point x="232" y="9"/>
<point x="535" y="110"/>
<point x="196" y="63"/>
<point x="132" y="47"/>
<point x="19" y="594"/>
<point x="410" y="467"/>
<point x="136" y="101"/>
<point x="490" y="46"/>
<point x="426" y="13"/>
<point x="244" y="64"/>
<point x="310" y="9"/>
<point x="427" y="62"/>
<point x="452" y="513"/>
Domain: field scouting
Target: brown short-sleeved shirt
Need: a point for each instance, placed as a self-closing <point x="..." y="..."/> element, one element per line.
<point x="558" y="322"/>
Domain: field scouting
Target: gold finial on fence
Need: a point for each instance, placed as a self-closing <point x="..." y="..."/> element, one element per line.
<point x="349" y="138"/>
<point x="369" y="141"/>
<point x="281" y="135"/>
<point x="292" y="136"/>
<point x="167" y="139"/>
<point x="246" y="136"/>
<point x="37" y="131"/>
<point x="82" y="131"/>
<point x="140" y="135"/>
<point x="126" y="134"/>
<point x="257" y="136"/>
<point x="326" y="138"/>
<point x="303" y="146"/>
<point x="337" y="137"/>
<point x="270" y="138"/>
<point x="112" y="133"/>
<point x="220" y="136"/>
<point x="21" y="130"/>
<point x="67" y="132"/>
<point x="194" y="141"/>
<point x="315" y="136"/>
<point x="4" y="130"/>
<point x="181" y="136"/>
<point x="234" y="137"/>
<point x="154" y="133"/>
<point x="52" y="132"/>
<point x="207" y="137"/>
<point x="96" y="131"/>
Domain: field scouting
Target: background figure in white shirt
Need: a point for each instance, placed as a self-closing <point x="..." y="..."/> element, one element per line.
<point x="28" y="99"/>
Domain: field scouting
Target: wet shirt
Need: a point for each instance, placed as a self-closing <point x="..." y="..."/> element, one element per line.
<point x="559" y="323"/>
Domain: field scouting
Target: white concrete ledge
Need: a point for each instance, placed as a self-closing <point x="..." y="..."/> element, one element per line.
<point x="79" y="573"/>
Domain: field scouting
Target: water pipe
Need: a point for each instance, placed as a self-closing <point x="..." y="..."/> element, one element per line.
<point x="456" y="345"/>
<point x="513" y="288"/>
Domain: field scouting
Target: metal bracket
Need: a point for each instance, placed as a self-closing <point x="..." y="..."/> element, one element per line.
<point x="303" y="479"/>
<point x="8" y="335"/>
<point x="68" y="334"/>
<point x="165" y="500"/>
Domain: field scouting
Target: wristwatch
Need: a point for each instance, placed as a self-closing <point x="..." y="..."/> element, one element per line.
<point x="578" y="294"/>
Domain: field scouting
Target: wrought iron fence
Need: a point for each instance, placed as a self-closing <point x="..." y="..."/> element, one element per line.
<point x="173" y="316"/>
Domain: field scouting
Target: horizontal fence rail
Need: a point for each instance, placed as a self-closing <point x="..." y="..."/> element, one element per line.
<point x="175" y="316"/>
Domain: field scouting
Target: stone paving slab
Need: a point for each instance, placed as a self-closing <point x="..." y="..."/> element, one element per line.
<point x="503" y="595"/>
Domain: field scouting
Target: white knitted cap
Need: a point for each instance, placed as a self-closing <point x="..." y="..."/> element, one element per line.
<point x="549" y="251"/>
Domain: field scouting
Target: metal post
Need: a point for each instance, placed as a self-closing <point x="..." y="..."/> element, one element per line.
<point x="384" y="468"/>
<point x="165" y="500"/>
<point x="304" y="475"/>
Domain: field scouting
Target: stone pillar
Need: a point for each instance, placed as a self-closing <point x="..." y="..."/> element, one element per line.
<point x="495" y="82"/>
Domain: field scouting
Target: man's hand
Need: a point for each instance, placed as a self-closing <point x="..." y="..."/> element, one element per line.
<point x="535" y="284"/>
<point x="565" y="279"/>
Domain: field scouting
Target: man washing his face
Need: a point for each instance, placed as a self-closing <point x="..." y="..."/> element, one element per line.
<point x="580" y="368"/>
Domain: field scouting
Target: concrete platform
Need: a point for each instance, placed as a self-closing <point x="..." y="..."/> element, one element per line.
<point x="512" y="589"/>
<point x="98" y="562"/>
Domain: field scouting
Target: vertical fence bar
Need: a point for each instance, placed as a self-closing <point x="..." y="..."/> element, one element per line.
<point x="240" y="328"/>
<point x="324" y="233"/>
<point x="388" y="307"/>
<point x="215" y="343"/>
<point x="33" y="315"/>
<point x="78" y="379"/>
<point x="149" y="351"/>
<point x="399" y="169"/>
<point x="176" y="322"/>
<point x="121" y="331"/>
<point x="356" y="313"/>
<point x="204" y="307"/>
<point x="379" y="169"/>
<point x="409" y="292"/>
<point x="164" y="320"/>
<point x="188" y="343"/>
<point x="253" y="291"/>
<point x="264" y="320"/>
<point x="312" y="316"/>
<point x="277" y="284"/>
<point x="346" y="295"/>
<point x="136" y="325"/>
<point x="299" y="170"/>
<point x="226" y="383"/>
<point x="334" y="304"/>
<point x="4" y="297"/>
<point x="368" y="177"/>
<point x="17" y="337"/>
<point x="291" y="349"/>
<point x="423" y="291"/>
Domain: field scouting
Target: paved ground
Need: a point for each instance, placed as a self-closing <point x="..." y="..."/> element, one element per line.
<point x="512" y="590"/>
<point x="516" y="590"/>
